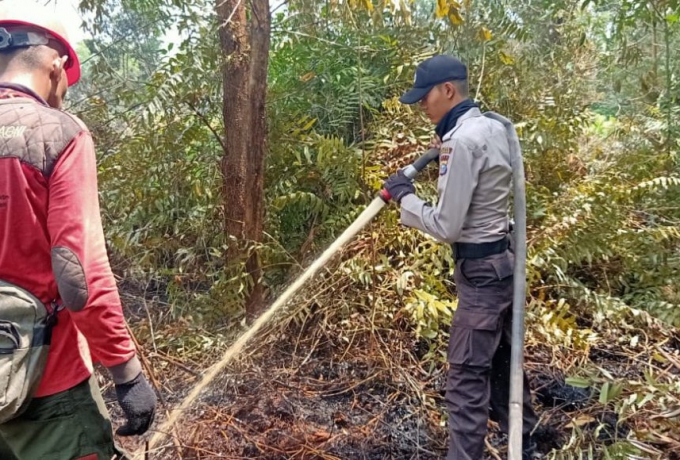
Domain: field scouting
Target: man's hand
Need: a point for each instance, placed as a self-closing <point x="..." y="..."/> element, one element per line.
<point x="135" y="396"/>
<point x="398" y="186"/>
<point x="138" y="401"/>
<point x="435" y="143"/>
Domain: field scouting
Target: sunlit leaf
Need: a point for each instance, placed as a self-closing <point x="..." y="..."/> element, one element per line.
<point x="442" y="8"/>
<point x="455" y="17"/>
<point x="506" y="58"/>
<point x="484" y="34"/>
<point x="580" y="420"/>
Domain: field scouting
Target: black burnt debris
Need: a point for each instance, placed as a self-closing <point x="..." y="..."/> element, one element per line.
<point x="345" y="389"/>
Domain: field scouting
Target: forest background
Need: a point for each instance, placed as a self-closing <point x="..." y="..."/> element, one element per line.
<point x="237" y="139"/>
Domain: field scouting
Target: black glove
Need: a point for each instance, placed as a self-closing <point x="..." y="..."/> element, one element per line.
<point x="138" y="401"/>
<point x="398" y="186"/>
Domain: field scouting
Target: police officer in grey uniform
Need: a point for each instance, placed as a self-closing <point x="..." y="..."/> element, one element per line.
<point x="471" y="215"/>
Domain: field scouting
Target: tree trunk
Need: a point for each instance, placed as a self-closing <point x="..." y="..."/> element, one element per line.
<point x="244" y="32"/>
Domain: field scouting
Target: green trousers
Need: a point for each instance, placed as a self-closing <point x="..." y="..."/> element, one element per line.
<point x="71" y="425"/>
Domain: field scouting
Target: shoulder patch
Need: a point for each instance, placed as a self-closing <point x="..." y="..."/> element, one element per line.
<point x="34" y="133"/>
<point x="444" y="161"/>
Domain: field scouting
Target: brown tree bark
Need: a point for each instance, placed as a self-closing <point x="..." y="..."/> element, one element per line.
<point x="244" y="32"/>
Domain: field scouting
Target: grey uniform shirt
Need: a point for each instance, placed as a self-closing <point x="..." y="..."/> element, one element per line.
<point x="473" y="187"/>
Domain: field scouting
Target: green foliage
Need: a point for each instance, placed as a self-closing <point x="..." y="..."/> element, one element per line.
<point x="592" y="91"/>
<point x="603" y="224"/>
<point x="159" y="143"/>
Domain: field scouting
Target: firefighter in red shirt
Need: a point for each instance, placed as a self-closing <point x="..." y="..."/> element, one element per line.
<point x="52" y="245"/>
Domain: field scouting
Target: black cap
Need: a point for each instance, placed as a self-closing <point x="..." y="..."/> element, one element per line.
<point x="431" y="72"/>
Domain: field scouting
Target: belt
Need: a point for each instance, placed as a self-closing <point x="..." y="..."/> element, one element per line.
<point x="479" y="250"/>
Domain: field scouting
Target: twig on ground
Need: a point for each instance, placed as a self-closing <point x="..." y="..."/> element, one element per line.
<point x="492" y="450"/>
<point x="174" y="362"/>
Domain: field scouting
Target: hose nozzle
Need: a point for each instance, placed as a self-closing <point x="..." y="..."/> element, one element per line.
<point x="412" y="170"/>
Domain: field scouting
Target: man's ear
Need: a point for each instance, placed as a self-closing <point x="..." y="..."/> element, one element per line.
<point x="57" y="72"/>
<point x="449" y="90"/>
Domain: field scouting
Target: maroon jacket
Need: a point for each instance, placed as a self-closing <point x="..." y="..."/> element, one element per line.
<point x="51" y="238"/>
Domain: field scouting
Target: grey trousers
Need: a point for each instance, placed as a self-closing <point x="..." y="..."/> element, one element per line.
<point x="478" y="381"/>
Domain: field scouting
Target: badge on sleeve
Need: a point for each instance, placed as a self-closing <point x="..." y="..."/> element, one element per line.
<point x="443" y="163"/>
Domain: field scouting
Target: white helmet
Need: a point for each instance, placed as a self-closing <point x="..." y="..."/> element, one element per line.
<point x="32" y="15"/>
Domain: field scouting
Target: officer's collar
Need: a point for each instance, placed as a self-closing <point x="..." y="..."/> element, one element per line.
<point x="472" y="113"/>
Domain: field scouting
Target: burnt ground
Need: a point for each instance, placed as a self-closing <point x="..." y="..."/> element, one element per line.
<point x="310" y="393"/>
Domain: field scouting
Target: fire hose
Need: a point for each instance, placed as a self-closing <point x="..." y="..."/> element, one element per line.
<point x="519" y="289"/>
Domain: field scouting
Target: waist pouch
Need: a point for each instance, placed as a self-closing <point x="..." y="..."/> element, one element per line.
<point x="25" y="336"/>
